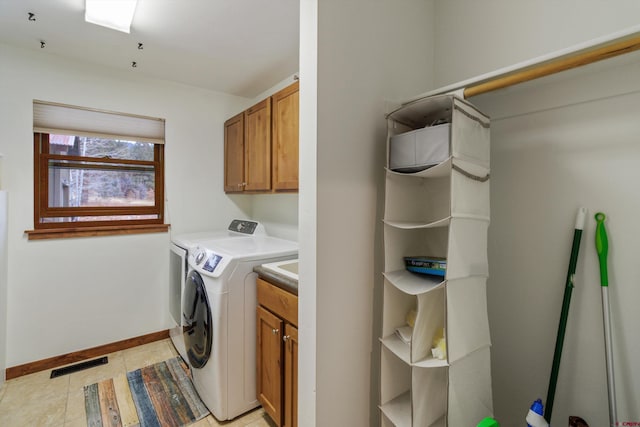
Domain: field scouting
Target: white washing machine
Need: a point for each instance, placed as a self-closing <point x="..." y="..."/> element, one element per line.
<point x="180" y="247"/>
<point x="219" y="316"/>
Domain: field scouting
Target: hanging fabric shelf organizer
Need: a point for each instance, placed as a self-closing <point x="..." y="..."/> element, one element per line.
<point x="440" y="211"/>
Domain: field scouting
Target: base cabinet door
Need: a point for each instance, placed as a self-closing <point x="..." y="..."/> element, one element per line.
<point x="290" y="376"/>
<point x="269" y="363"/>
<point x="277" y="353"/>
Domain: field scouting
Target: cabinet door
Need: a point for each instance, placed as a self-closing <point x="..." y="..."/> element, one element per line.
<point x="269" y="364"/>
<point x="257" y="147"/>
<point x="234" y="154"/>
<point x="290" y="376"/>
<point x="284" y="145"/>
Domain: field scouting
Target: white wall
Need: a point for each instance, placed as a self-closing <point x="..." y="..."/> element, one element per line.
<point x="70" y="294"/>
<point x="558" y="144"/>
<point x="355" y="56"/>
<point x="307" y="214"/>
<point x="278" y="213"/>
<point x="3" y="280"/>
<point x="476" y="37"/>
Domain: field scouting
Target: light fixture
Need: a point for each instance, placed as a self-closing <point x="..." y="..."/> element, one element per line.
<point x="114" y="14"/>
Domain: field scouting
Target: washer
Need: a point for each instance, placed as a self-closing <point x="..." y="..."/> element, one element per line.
<point x="180" y="247"/>
<point x="219" y="315"/>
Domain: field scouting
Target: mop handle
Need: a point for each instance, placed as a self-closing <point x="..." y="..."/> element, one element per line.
<point x="564" y="314"/>
<point x="602" y="248"/>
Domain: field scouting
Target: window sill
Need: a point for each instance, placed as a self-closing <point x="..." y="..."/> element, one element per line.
<point x="114" y="230"/>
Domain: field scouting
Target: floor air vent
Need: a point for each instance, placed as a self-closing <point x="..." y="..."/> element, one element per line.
<point x="79" y="367"/>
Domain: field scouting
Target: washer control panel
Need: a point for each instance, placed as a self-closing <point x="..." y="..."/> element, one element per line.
<point x="208" y="261"/>
<point x="212" y="262"/>
<point x="243" y="226"/>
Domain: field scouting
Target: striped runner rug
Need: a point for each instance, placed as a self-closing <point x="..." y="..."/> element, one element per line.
<point x="159" y="395"/>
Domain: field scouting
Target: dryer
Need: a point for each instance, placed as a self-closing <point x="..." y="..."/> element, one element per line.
<point x="179" y="249"/>
<point x="219" y="315"/>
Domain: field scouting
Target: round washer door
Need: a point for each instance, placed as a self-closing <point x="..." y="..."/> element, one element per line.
<point x="197" y="329"/>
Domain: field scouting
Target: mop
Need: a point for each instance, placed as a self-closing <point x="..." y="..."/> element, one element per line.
<point x="602" y="247"/>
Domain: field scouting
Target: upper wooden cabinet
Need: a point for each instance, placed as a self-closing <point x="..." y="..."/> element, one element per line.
<point x="284" y="138"/>
<point x="234" y="153"/>
<point x="257" y="147"/>
<point x="261" y="145"/>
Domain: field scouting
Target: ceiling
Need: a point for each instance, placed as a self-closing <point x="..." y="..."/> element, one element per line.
<point x="241" y="47"/>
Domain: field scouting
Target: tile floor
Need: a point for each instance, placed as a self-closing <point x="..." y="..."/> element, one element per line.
<point x="36" y="400"/>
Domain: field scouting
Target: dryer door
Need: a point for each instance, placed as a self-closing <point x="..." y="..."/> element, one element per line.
<point x="198" y="333"/>
<point x="177" y="276"/>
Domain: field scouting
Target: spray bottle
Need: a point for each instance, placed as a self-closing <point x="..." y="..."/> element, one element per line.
<point x="535" y="416"/>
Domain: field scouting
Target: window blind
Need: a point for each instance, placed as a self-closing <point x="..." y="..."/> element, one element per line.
<point x="63" y="119"/>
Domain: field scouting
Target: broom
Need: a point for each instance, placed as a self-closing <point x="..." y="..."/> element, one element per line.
<point x="573" y="261"/>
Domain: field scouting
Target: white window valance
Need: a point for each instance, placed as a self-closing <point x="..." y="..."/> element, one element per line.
<point x="63" y="119"/>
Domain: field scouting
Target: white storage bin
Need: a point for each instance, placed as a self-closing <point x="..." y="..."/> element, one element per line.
<point x="419" y="149"/>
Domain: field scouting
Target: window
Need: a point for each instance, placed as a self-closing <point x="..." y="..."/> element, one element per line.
<point x="96" y="172"/>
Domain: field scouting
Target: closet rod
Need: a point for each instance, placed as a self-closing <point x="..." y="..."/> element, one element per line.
<point x="574" y="60"/>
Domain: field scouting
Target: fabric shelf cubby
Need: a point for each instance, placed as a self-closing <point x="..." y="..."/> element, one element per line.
<point x="440" y="212"/>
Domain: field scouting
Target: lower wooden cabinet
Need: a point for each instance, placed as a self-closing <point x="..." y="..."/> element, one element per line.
<point x="277" y="353"/>
<point x="269" y="360"/>
<point x="290" y="376"/>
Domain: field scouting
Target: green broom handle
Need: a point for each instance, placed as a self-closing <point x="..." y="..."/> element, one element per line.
<point x="564" y="315"/>
<point x="602" y="247"/>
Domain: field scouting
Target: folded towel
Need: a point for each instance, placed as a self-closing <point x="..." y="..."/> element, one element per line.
<point x="439" y="350"/>
<point x="404" y="333"/>
<point x="411" y="317"/>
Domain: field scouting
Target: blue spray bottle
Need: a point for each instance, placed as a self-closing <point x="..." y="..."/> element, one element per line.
<point x="535" y="415"/>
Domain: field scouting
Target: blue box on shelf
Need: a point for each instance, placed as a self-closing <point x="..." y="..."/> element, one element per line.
<point x="435" y="266"/>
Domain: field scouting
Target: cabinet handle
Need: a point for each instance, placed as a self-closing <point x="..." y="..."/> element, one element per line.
<point x="275" y="331"/>
<point x="286" y="338"/>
